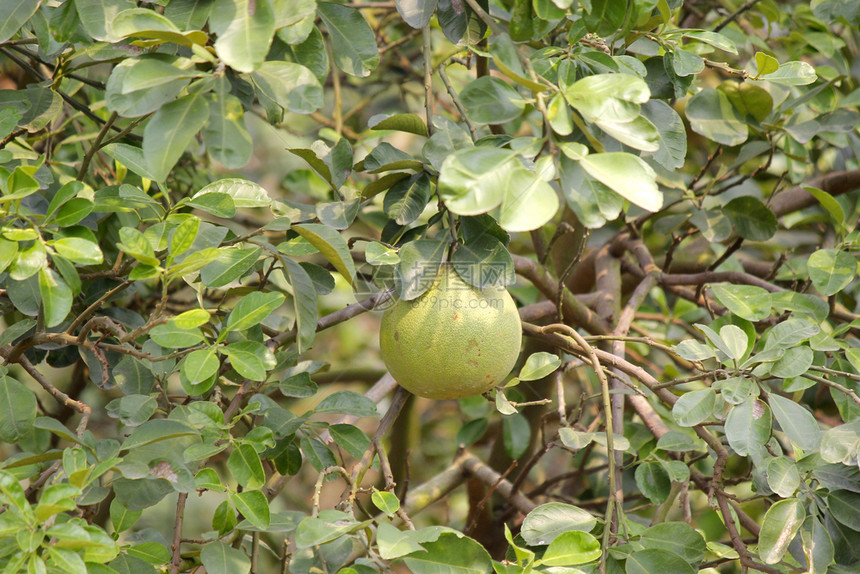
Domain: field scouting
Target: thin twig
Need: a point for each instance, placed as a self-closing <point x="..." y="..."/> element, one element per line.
<point x="177" y="533"/>
<point x="427" y="50"/>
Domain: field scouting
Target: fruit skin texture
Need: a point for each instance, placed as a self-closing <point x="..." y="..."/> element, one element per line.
<point x="454" y="341"/>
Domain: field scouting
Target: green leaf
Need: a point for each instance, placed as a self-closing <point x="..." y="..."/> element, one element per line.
<point x="226" y="138"/>
<point x="748" y="301"/>
<point x="218" y="204"/>
<point x="305" y="303"/>
<point x="779" y="527"/>
<point x="782" y="476"/>
<point x="612" y="97"/>
<point x="245" y="29"/>
<point x="473" y="180"/>
<point x="157" y="430"/>
<point x="174" y="337"/>
<point x="793" y="363"/>
<point x="516" y="434"/>
<point x="250" y="359"/>
<point x="15" y="14"/>
<point x="571" y="548"/>
<point x="253" y="506"/>
<point x="409" y="123"/>
<point x="56" y="297"/>
<point x="416" y="13"/>
<point x="548" y="521"/>
<point x="291" y="86"/>
<point x="817" y="546"/>
<point x="347" y="403"/>
<point x="653" y="560"/>
<point x="378" y="254"/>
<point x="352" y="40"/>
<point x="170" y="131"/>
<point x="694" y="407"/>
<point x="736" y="340"/>
<point x="243" y="192"/>
<point x="407" y="198"/>
<point x="593" y="202"/>
<point x="490" y="100"/>
<point x="200" y="365"/>
<point x="751" y="218"/>
<point x="653" y="481"/>
<point x="385" y="501"/>
<point x="748" y="426"/>
<point x="484" y="261"/>
<point x="327" y="526"/>
<point x="245" y="466"/>
<point x="828" y="202"/>
<point x="232" y="263"/>
<point x="251" y="310"/>
<point x="796" y="422"/>
<point x="219" y="558"/>
<point x="331" y="245"/>
<point x="28" y="261"/>
<point x="627" y="175"/>
<point x="539" y="365"/>
<point x="338" y="214"/>
<point x="840" y="444"/>
<point x="765" y="64"/>
<point x="528" y="202"/>
<point x="791" y="74"/>
<point x="712" y="115"/>
<point x="78" y="250"/>
<point x="831" y="270"/>
<point x="351" y="439"/>
<point x="121" y="517"/>
<point x="17" y="410"/>
<point x="679" y="538"/>
<point x="420" y="261"/>
<point x="451" y="554"/>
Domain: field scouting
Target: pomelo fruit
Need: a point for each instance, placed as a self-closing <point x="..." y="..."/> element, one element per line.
<point x="454" y="341"/>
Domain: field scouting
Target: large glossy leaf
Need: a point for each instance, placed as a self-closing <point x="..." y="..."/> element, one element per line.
<point x="490" y="100"/>
<point x="546" y="522"/>
<point x="416" y="13"/>
<point x="226" y="138"/>
<point x="694" y="407"/>
<point x="17" y="409"/>
<point x="528" y="201"/>
<point x="245" y="466"/>
<point x="473" y="181"/>
<point x="254" y="507"/>
<point x="219" y="558"/>
<point x="419" y="264"/>
<point x="593" y="202"/>
<point x="251" y="310"/>
<point x="676" y="537"/>
<point x="331" y="245"/>
<point x="245" y="29"/>
<point x="796" y="422"/>
<point x="831" y="270"/>
<point x="407" y="198"/>
<point x="305" y="303"/>
<point x="450" y="553"/>
<point x="748" y="301"/>
<point x="352" y="40"/>
<point x="748" y="426"/>
<point x="627" y="175"/>
<point x="780" y="525"/>
<point x="484" y="261"/>
<point x="653" y="560"/>
<point x="751" y="218"/>
<point x="170" y="131"/>
<point x="56" y="297"/>
<point x="15" y="14"/>
<point x="291" y="86"/>
<point x="712" y="115"/>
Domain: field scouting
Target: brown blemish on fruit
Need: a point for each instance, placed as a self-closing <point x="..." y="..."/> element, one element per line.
<point x="473" y="362"/>
<point x="396" y="335"/>
<point x="456" y="316"/>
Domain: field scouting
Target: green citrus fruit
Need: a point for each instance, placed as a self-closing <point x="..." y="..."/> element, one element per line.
<point x="453" y="341"/>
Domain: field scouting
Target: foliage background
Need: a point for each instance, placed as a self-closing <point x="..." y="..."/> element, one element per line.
<point x="206" y="203"/>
